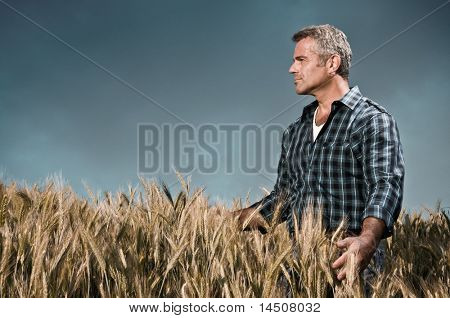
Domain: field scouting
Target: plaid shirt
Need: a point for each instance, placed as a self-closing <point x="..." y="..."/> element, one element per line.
<point x="354" y="169"/>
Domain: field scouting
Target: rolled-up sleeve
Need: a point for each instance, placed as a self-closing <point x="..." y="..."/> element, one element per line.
<point x="383" y="167"/>
<point x="279" y="194"/>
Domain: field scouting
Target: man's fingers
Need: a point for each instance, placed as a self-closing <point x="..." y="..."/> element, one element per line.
<point x="341" y="275"/>
<point x="340" y="261"/>
<point x="345" y="242"/>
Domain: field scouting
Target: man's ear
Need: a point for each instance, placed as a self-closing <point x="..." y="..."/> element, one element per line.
<point x="333" y="63"/>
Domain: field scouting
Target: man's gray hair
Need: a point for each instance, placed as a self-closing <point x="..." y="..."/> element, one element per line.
<point x="329" y="40"/>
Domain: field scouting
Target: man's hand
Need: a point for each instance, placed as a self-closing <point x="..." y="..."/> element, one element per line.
<point x="250" y="219"/>
<point x="363" y="246"/>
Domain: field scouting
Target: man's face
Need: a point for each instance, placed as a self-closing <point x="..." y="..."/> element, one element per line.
<point x="308" y="74"/>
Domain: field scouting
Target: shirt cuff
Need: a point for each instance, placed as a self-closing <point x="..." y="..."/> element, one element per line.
<point x="381" y="213"/>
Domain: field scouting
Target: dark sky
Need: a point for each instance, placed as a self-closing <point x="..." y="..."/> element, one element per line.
<point x="207" y="62"/>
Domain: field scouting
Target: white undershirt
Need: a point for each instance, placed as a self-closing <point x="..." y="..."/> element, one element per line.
<point x="316" y="129"/>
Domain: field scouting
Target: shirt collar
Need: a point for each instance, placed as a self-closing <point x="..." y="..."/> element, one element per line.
<point x="351" y="98"/>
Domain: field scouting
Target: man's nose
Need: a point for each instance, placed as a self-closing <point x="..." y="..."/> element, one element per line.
<point x="292" y="69"/>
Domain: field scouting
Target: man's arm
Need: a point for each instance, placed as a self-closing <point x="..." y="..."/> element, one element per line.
<point x="383" y="166"/>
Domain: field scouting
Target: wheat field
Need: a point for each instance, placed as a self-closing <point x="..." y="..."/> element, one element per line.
<point x="149" y="243"/>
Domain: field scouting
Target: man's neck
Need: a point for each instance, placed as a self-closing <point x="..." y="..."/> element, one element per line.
<point x="332" y="91"/>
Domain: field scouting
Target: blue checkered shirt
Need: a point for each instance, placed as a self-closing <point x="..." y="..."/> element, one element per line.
<point x="354" y="169"/>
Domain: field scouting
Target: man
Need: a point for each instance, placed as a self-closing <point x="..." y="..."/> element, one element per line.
<point x="344" y="152"/>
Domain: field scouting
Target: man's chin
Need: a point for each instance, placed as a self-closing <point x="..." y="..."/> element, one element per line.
<point x="300" y="91"/>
